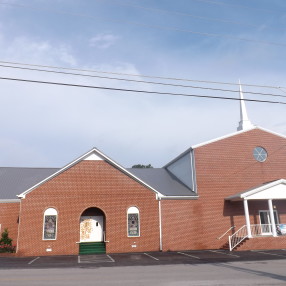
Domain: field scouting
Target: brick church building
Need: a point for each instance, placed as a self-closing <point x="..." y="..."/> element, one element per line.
<point x="229" y="192"/>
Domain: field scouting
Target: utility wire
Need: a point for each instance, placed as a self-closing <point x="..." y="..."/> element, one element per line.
<point x="158" y="27"/>
<point x="236" y="5"/>
<point x="137" y="91"/>
<point x="182" y="14"/>
<point x="142" y="81"/>
<point x="142" y="76"/>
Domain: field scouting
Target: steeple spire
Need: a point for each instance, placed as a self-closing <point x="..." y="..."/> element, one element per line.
<point x="244" y="123"/>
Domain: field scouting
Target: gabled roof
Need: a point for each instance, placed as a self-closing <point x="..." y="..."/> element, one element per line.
<point x="270" y="190"/>
<point x="14" y="181"/>
<point x="163" y="181"/>
<point x="237" y="133"/>
<point x="222" y="138"/>
<point x="93" y="154"/>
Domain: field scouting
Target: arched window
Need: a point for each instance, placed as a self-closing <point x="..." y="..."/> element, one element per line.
<point x="133" y="222"/>
<point x="50" y="224"/>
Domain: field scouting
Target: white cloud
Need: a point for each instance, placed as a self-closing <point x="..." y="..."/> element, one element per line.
<point x="103" y="41"/>
<point x="53" y="124"/>
<point x="29" y="50"/>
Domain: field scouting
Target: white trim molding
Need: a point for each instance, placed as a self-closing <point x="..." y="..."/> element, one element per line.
<point x="10" y="201"/>
<point x="87" y="155"/>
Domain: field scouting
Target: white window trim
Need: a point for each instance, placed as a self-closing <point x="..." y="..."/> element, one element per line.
<point x="268" y="213"/>
<point x="50" y="211"/>
<point x="133" y="210"/>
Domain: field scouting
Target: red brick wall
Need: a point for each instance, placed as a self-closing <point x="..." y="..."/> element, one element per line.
<point x="264" y="243"/>
<point x="223" y="168"/>
<point x="88" y="184"/>
<point x="9" y="214"/>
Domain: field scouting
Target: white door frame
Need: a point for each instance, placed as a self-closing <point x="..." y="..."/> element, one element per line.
<point x="268" y="227"/>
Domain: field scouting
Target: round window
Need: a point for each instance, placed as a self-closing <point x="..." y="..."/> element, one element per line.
<point x="259" y="154"/>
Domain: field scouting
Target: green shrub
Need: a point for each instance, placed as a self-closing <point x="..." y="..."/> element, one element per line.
<point x="6" y="242"/>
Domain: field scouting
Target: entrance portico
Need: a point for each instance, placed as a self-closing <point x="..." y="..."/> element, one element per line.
<point x="269" y="218"/>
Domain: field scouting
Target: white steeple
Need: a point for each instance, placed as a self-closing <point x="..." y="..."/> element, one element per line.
<point x="244" y="123"/>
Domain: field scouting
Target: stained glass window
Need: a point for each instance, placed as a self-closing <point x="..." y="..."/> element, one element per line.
<point x="133" y="222"/>
<point x="50" y="224"/>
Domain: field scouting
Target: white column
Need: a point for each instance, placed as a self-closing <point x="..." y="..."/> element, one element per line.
<point x="272" y="220"/>
<point x="246" y="213"/>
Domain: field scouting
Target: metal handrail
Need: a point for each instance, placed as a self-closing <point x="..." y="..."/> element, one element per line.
<point x="237" y="237"/>
<point x="255" y="231"/>
<point x="232" y="227"/>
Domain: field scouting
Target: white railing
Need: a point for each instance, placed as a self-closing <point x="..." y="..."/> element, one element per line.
<point x="255" y="231"/>
<point x="232" y="227"/>
<point x="260" y="229"/>
<point x="237" y="237"/>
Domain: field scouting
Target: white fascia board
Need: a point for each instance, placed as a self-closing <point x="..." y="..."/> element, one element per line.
<point x="178" y="197"/>
<point x="223" y="137"/>
<point x="94" y="150"/>
<point x="262" y="188"/>
<point x="271" y="132"/>
<point x="209" y="142"/>
<point x="10" y="201"/>
<point x="246" y="194"/>
<point x="236" y="133"/>
<point x="128" y="173"/>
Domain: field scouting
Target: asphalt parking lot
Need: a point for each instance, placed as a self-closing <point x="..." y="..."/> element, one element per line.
<point x="140" y="259"/>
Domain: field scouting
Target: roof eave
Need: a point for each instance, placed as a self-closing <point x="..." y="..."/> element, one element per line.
<point x="178" y="197"/>
<point x="109" y="160"/>
<point x="5" y="201"/>
<point x="245" y="195"/>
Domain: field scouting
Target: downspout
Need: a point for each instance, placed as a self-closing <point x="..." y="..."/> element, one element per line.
<point x="18" y="234"/>
<point x="160" y="225"/>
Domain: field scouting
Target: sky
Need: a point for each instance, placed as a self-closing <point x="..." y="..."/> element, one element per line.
<point x="203" y="41"/>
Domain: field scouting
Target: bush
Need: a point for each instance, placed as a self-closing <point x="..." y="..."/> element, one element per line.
<point x="6" y="242"/>
<point x="4" y="248"/>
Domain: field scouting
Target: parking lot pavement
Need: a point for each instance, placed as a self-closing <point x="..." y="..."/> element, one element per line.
<point x="237" y="273"/>
<point x="140" y="259"/>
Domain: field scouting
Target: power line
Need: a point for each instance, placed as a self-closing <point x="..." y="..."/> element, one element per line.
<point x="137" y="91"/>
<point x="142" y="76"/>
<point x="158" y="27"/>
<point x="145" y="82"/>
<point x="183" y="14"/>
<point x="236" y="5"/>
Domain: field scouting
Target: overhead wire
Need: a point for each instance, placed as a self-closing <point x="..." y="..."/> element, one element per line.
<point x="182" y="14"/>
<point x="156" y="26"/>
<point x="142" y="81"/>
<point x="141" y="75"/>
<point x="236" y="5"/>
<point x="137" y="91"/>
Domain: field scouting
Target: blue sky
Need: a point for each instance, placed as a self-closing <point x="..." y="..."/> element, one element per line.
<point x="49" y="126"/>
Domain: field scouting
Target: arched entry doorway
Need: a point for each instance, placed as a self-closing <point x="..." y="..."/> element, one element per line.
<point x="92" y="227"/>
<point x="92" y="223"/>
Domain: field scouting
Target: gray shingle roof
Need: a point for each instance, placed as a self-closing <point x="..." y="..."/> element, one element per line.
<point x="14" y="181"/>
<point x="162" y="181"/>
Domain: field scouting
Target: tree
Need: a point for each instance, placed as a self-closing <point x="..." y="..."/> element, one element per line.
<point x="6" y="242"/>
<point x="142" y="166"/>
<point x="5" y="239"/>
